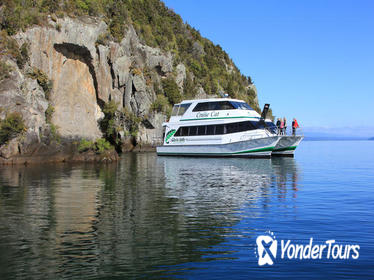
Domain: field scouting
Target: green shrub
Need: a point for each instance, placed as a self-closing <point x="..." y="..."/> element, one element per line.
<point x="5" y="70"/>
<point x="10" y="47"/>
<point x="23" y="55"/>
<point x="103" y="39"/>
<point x="55" y="136"/>
<point x="171" y="90"/>
<point x="189" y="89"/>
<point x="48" y="113"/>
<point x="42" y="79"/>
<point x="11" y="127"/>
<point x="102" y="145"/>
<point x="157" y="88"/>
<point x="161" y="104"/>
<point x="85" y="145"/>
<point x="136" y="71"/>
<point x="132" y="122"/>
<point x="108" y="123"/>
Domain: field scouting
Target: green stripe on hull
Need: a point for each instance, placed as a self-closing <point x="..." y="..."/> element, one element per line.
<point x="291" y="148"/>
<point x="243" y="117"/>
<point x="267" y="149"/>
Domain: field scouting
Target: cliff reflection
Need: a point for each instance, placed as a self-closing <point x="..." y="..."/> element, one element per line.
<point x="128" y="219"/>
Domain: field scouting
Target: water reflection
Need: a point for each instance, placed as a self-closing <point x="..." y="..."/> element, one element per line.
<point x="139" y="217"/>
<point x="286" y="173"/>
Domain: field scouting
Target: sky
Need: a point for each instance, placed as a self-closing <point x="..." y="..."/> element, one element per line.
<point x="313" y="60"/>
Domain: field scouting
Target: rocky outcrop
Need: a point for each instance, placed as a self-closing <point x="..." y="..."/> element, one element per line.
<point x="86" y="73"/>
<point x="85" y="76"/>
<point x="180" y="75"/>
<point x="67" y="57"/>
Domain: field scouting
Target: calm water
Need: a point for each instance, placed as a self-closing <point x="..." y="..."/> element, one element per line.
<point x="159" y="217"/>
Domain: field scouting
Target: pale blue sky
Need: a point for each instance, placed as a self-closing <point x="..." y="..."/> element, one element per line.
<point x="310" y="59"/>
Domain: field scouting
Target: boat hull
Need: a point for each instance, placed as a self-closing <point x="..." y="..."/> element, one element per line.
<point x="260" y="147"/>
<point x="286" y="146"/>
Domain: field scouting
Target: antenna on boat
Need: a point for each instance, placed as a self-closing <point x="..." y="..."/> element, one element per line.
<point x="223" y="95"/>
<point x="265" y="111"/>
<point x="263" y="116"/>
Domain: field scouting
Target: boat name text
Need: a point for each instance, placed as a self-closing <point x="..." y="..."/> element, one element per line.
<point x="207" y="115"/>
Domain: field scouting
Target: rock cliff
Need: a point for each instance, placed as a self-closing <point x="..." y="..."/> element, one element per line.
<point x="85" y="71"/>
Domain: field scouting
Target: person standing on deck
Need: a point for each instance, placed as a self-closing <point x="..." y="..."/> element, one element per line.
<point x="284" y="126"/>
<point x="281" y="126"/>
<point x="278" y="126"/>
<point x="295" y="125"/>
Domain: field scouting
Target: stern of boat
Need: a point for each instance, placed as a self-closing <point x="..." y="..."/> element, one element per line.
<point x="287" y="145"/>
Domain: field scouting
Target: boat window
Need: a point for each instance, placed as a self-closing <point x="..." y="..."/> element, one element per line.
<point x="183" y="108"/>
<point x="201" y="130"/>
<point x="210" y="130"/>
<point x="182" y="131"/>
<point x="219" y="129"/>
<point x="213" y="106"/>
<point x="201" y="107"/>
<point x="225" y="106"/>
<point x="241" y="105"/>
<point x="233" y="128"/>
<point x="271" y="126"/>
<point x="192" y="131"/>
<point x="175" y="110"/>
<point x="258" y="124"/>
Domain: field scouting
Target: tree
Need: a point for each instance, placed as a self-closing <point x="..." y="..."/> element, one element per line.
<point x="171" y="90"/>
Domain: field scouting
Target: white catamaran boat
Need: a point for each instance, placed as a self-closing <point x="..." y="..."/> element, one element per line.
<point x="220" y="127"/>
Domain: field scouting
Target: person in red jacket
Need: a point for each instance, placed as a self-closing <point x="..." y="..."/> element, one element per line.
<point x="294" y="126"/>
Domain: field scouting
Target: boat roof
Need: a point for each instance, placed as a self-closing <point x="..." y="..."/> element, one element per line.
<point x="209" y="100"/>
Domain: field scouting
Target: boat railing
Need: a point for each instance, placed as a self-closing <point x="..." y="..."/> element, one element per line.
<point x="288" y="131"/>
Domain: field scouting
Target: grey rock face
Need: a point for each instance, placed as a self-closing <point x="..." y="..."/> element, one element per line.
<point x="68" y="58"/>
<point x="86" y="75"/>
<point x="121" y="69"/>
<point x="139" y="83"/>
<point x="24" y="96"/>
<point x="10" y="149"/>
<point x="148" y="134"/>
<point x="197" y="49"/>
<point x="181" y="75"/>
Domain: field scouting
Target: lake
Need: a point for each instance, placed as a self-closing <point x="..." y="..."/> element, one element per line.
<point x="189" y="218"/>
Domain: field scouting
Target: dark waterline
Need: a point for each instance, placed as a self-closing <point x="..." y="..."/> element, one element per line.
<point x="168" y="217"/>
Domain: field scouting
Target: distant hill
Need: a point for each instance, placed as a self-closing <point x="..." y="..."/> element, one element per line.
<point x="372" y="138"/>
<point x="332" y="138"/>
<point x="338" y="133"/>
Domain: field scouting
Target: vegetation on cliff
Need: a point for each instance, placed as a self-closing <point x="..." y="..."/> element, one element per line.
<point x="5" y="70"/>
<point x="42" y="79"/>
<point x="11" y="127"/>
<point x="9" y="47"/>
<point x="99" y="146"/>
<point x="171" y="90"/>
<point x="108" y="124"/>
<point x="157" y="25"/>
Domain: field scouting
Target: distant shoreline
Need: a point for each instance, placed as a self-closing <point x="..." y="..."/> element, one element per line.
<point x="335" y="139"/>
